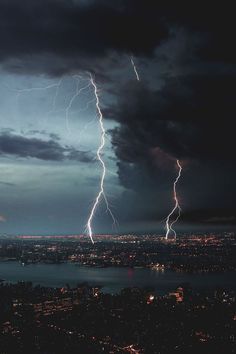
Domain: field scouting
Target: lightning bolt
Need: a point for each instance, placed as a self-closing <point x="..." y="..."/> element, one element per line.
<point x="90" y="82"/>
<point x="101" y="193"/>
<point x="55" y="86"/>
<point x="169" y="225"/>
<point x="78" y="90"/>
<point x="135" y="69"/>
<point x="77" y="93"/>
<point x="31" y="89"/>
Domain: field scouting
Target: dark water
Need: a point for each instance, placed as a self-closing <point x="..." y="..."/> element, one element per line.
<point x="112" y="279"/>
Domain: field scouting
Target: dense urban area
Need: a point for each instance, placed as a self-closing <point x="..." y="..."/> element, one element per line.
<point x="82" y="319"/>
<point x="189" y="253"/>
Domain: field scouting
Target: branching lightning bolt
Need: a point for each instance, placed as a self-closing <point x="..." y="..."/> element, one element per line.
<point x="90" y="82"/>
<point x="101" y="192"/>
<point x="76" y="94"/>
<point x="57" y="86"/>
<point x="135" y="69"/>
<point x="31" y="89"/>
<point x="169" y="225"/>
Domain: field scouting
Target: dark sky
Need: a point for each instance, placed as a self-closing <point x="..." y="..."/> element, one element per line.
<point x="182" y="108"/>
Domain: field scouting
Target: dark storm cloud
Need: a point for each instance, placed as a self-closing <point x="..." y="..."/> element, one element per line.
<point x="190" y="118"/>
<point x="69" y="30"/>
<point x="62" y="36"/>
<point x="19" y="146"/>
<point x="217" y="216"/>
<point x="82" y="156"/>
<point x="214" y="22"/>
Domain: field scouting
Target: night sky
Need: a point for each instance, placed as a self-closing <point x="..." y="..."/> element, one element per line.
<point x="183" y="108"/>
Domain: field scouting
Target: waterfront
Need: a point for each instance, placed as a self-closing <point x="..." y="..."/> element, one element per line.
<point x="111" y="279"/>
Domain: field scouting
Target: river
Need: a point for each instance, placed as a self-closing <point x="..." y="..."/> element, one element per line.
<point x="111" y="279"/>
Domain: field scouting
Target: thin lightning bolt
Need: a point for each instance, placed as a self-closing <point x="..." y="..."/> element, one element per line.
<point x="135" y="68"/>
<point x="169" y="225"/>
<point x="54" y="101"/>
<point x="31" y="89"/>
<point x="109" y="211"/>
<point x="76" y="94"/>
<point x="101" y="192"/>
<point x="78" y="90"/>
<point x="57" y="87"/>
<point x="56" y="94"/>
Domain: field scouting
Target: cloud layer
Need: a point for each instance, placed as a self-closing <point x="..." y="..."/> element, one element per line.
<point x="19" y="146"/>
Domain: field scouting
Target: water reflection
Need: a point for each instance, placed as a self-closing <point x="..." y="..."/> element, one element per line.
<point x="112" y="279"/>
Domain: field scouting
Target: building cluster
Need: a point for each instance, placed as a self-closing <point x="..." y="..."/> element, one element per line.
<point x="189" y="253"/>
<point x="84" y="320"/>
